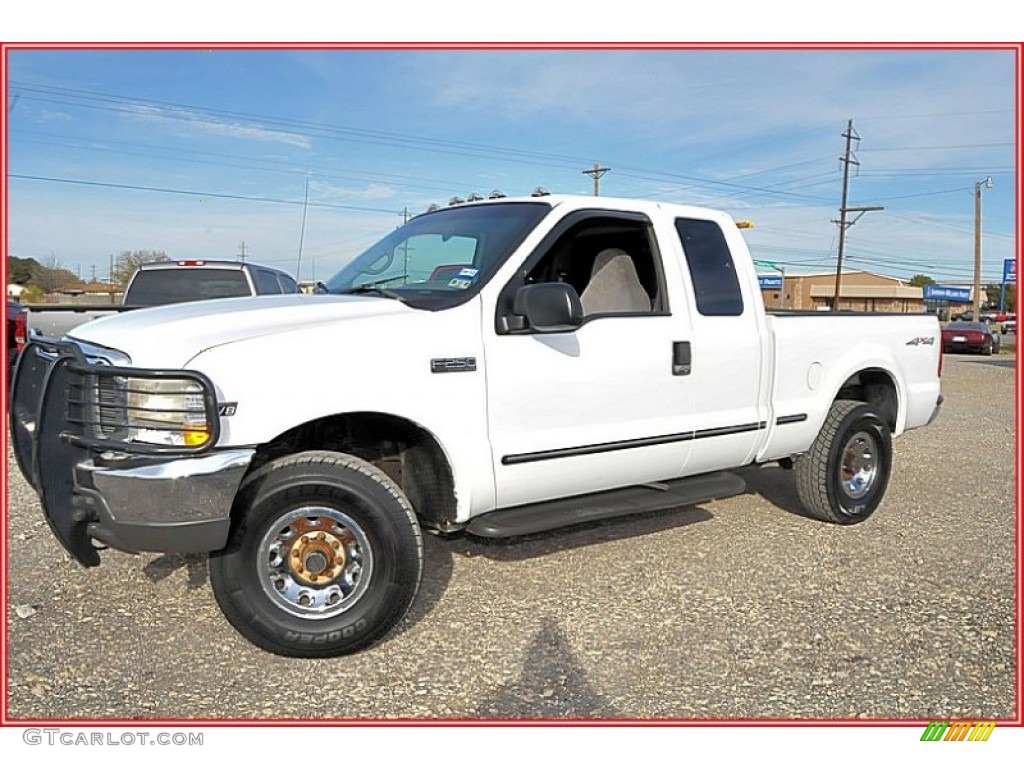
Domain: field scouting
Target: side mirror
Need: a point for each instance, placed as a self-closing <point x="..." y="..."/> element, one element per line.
<point x="549" y="307"/>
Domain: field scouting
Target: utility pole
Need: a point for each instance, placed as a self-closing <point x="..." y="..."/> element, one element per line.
<point x="987" y="184"/>
<point x="847" y="160"/>
<point x="241" y="251"/>
<point x="596" y="173"/>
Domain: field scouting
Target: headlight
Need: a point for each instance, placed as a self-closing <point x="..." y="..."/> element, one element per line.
<point x="166" y="411"/>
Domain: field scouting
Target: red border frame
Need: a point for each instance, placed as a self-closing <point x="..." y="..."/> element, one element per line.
<point x="1018" y="48"/>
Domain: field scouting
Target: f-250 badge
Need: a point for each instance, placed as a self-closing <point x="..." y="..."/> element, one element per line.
<point x="452" y="364"/>
<point x="928" y="340"/>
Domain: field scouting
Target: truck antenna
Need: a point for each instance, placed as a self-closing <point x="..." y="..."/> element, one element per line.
<point x="302" y="229"/>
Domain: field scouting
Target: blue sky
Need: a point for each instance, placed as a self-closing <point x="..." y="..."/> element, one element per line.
<point x="194" y="152"/>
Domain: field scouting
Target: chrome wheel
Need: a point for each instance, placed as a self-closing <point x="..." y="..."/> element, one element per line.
<point x="859" y="465"/>
<point x="315" y="562"/>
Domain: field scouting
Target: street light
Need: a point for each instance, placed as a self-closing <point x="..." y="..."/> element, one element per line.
<point x="987" y="184"/>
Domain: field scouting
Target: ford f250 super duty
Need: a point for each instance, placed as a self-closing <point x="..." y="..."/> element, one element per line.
<point x="501" y="368"/>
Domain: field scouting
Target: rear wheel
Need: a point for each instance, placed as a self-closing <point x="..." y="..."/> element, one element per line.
<point x="843" y="477"/>
<point x="325" y="559"/>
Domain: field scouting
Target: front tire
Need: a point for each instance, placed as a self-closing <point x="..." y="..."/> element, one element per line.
<point x="325" y="557"/>
<point x="843" y="477"/>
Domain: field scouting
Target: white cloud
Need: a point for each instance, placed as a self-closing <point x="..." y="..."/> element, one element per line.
<point x="323" y="191"/>
<point x="177" y="116"/>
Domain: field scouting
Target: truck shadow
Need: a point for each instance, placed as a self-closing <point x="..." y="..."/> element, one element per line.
<point x="164" y="566"/>
<point x="439" y="551"/>
<point x="573" y="537"/>
<point x="775" y="485"/>
<point x="552" y="683"/>
<point x="437" y="574"/>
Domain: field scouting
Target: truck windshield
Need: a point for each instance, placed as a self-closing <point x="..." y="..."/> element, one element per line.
<point x="440" y="259"/>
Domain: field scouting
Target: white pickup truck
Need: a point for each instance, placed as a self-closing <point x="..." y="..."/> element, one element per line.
<point x="165" y="282"/>
<point x="500" y="367"/>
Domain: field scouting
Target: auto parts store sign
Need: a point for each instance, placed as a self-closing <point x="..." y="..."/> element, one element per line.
<point x="1009" y="270"/>
<point x="947" y="293"/>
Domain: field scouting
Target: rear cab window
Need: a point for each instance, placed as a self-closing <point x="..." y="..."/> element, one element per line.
<point x="154" y="287"/>
<point x="716" y="286"/>
<point x="266" y="282"/>
<point x="287" y="284"/>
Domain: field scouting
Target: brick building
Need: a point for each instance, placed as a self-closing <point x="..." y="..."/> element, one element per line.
<point x="859" y="291"/>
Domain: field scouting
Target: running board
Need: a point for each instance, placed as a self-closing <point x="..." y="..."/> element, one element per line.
<point x="547" y="515"/>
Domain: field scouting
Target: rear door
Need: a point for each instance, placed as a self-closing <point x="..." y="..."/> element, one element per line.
<point x="728" y="368"/>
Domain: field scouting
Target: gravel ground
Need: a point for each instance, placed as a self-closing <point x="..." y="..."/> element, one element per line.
<point x="739" y="608"/>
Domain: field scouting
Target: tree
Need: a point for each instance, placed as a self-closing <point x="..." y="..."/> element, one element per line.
<point x="32" y="294"/>
<point x="51" y="276"/>
<point x="20" y="271"/>
<point x="920" y="281"/>
<point x="129" y="261"/>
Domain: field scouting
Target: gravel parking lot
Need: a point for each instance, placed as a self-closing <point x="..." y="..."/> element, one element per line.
<point x="739" y="608"/>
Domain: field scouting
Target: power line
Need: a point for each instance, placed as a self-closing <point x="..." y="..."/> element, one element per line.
<point x="195" y="193"/>
<point x="932" y="147"/>
<point x="191" y="113"/>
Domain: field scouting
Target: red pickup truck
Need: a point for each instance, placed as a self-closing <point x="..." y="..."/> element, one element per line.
<point x="16" y="331"/>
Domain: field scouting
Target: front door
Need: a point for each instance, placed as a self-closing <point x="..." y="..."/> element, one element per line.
<point x="601" y="406"/>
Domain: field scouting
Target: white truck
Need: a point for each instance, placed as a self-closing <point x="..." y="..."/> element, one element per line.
<point x="165" y="282"/>
<point x="501" y="368"/>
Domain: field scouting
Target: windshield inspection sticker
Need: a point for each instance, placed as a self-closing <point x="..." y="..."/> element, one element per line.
<point x="456" y="283"/>
<point x="469" y="272"/>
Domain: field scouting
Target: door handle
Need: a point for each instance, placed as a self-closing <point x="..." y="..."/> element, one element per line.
<point x="681" y="358"/>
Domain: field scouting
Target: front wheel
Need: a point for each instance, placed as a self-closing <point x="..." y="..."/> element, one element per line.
<point x="324" y="560"/>
<point x="843" y="477"/>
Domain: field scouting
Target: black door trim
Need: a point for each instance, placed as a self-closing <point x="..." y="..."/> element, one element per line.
<point x="622" y="445"/>
<point x="794" y="419"/>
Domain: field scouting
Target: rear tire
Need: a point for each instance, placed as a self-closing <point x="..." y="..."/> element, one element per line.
<point x="843" y="477"/>
<point x="325" y="558"/>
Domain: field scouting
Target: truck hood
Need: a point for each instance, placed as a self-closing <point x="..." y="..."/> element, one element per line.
<point x="171" y="335"/>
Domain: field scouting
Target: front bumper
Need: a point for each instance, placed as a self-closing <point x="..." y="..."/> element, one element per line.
<point x="175" y="505"/>
<point x="94" y="488"/>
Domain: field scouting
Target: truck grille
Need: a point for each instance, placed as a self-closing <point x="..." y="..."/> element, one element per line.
<point x="98" y="406"/>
